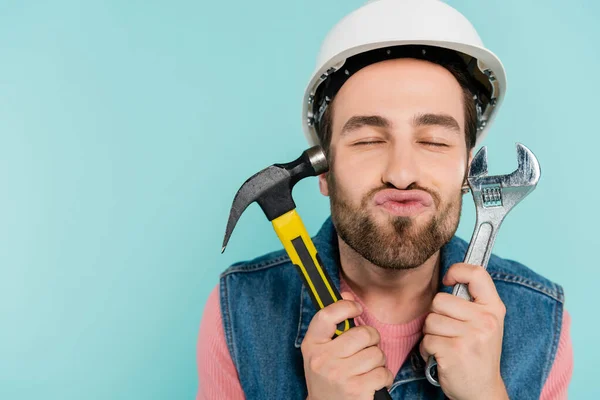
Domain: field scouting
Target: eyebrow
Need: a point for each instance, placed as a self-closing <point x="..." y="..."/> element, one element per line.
<point x="442" y="120"/>
<point x="358" y="121"/>
<point x="429" y="119"/>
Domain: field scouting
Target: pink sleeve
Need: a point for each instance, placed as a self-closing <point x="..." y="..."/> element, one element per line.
<point x="558" y="380"/>
<point x="217" y="376"/>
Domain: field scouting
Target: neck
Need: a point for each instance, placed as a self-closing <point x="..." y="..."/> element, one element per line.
<point x="392" y="296"/>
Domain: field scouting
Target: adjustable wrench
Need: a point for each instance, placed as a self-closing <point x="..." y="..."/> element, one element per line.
<point x="494" y="197"/>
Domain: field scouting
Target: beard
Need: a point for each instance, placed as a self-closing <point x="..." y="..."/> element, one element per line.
<point x="403" y="243"/>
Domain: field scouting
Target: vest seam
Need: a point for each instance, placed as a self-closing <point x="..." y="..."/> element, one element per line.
<point x="511" y="278"/>
<point x="552" y="355"/>
<point x="256" y="267"/>
<point x="299" y="331"/>
<point x="226" y="317"/>
<point x="405" y="381"/>
<point x="538" y="287"/>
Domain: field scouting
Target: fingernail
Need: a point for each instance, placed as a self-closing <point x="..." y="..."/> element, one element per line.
<point x="359" y="307"/>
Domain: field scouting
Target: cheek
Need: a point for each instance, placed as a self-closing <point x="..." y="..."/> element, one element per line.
<point x="358" y="166"/>
<point x="449" y="176"/>
<point x="353" y="180"/>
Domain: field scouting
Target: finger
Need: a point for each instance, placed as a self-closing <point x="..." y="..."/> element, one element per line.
<point x="442" y="325"/>
<point x="355" y="340"/>
<point x="376" y="379"/>
<point x="323" y="325"/>
<point x="480" y="283"/>
<point x="365" y="361"/>
<point x="433" y="345"/>
<point x="454" y="307"/>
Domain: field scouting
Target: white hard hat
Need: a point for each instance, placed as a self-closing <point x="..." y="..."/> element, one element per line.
<point x="384" y="24"/>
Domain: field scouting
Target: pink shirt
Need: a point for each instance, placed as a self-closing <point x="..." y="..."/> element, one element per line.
<point x="218" y="377"/>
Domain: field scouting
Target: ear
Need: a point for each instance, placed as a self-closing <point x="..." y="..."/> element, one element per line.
<point x="469" y="160"/>
<point x="323" y="186"/>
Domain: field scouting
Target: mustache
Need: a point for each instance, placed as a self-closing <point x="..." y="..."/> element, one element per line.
<point x="413" y="186"/>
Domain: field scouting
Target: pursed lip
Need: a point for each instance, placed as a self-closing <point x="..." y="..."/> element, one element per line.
<point x="403" y="202"/>
<point x="403" y="196"/>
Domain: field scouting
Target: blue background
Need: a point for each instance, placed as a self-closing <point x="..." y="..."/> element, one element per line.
<point x="126" y="127"/>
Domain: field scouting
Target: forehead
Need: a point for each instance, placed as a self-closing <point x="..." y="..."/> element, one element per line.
<point x="398" y="89"/>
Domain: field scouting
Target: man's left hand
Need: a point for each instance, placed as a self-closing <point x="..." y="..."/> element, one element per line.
<point x="466" y="337"/>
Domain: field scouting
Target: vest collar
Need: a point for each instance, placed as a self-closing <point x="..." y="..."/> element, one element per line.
<point x="326" y="243"/>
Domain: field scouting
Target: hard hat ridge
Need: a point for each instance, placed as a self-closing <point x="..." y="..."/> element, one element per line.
<point x="390" y="24"/>
<point x="326" y="92"/>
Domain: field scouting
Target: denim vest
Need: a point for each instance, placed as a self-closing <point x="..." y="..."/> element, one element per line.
<point x="266" y="312"/>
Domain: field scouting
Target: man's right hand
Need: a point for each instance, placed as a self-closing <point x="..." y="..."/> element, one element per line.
<point x="351" y="366"/>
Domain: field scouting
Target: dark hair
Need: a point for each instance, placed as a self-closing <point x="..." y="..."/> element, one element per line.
<point x="443" y="57"/>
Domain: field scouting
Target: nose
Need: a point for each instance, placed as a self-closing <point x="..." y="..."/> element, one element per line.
<point x="401" y="169"/>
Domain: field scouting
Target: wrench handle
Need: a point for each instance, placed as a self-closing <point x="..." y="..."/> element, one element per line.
<point x="480" y="248"/>
<point x="478" y="253"/>
<point x="461" y="290"/>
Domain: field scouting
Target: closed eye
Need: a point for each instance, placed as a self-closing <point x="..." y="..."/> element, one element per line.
<point x="367" y="142"/>
<point x="435" y="144"/>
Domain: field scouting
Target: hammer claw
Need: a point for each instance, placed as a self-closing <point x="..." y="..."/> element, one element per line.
<point x="245" y="196"/>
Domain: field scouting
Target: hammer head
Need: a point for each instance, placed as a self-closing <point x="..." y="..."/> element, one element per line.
<point x="272" y="187"/>
<point x="503" y="192"/>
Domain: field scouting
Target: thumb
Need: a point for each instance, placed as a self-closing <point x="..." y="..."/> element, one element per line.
<point x="324" y="324"/>
<point x="348" y="296"/>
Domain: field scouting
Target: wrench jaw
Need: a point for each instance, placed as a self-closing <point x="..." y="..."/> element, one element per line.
<point x="479" y="165"/>
<point x="495" y="196"/>
<point x="528" y="172"/>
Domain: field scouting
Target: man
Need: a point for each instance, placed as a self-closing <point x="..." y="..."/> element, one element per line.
<point x="402" y="93"/>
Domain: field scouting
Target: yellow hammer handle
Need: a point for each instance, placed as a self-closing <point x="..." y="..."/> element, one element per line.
<point x="299" y="246"/>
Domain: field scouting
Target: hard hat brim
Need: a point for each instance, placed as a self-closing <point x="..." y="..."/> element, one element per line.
<point x="486" y="60"/>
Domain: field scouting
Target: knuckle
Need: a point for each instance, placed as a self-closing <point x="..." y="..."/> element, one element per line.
<point x="316" y="363"/>
<point x="382" y="357"/>
<point x="453" y="268"/>
<point x="350" y="306"/>
<point x="489" y="322"/>
<point x="354" y="334"/>
<point x="456" y="268"/>
<point x="381" y="374"/>
<point x="429" y="320"/>
<point x="390" y="378"/>
<point x="437" y="302"/>
<point x="353" y="389"/>
<point x="375" y="353"/>
<point x="458" y="346"/>
<point x="480" y="273"/>
<point x="373" y="334"/>
<point x="502" y="309"/>
<point x="335" y="375"/>
<point x="323" y="316"/>
<point x="426" y="342"/>
<point x="481" y="338"/>
<point x="363" y="335"/>
<point x="304" y="348"/>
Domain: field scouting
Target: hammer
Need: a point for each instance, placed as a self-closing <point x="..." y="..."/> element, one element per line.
<point x="272" y="188"/>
